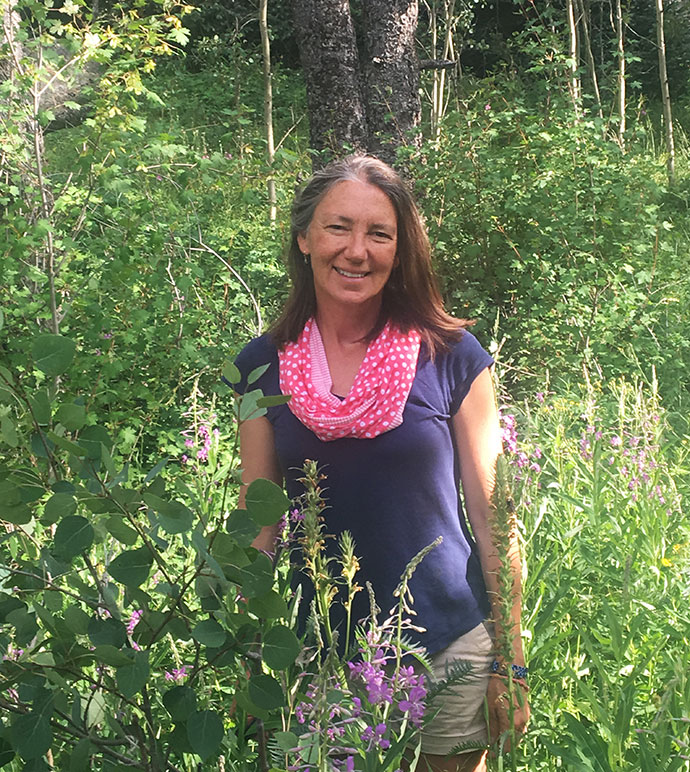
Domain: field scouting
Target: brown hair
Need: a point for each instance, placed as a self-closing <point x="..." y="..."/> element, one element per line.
<point x="411" y="298"/>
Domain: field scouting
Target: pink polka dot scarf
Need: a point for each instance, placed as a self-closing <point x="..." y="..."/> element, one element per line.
<point x="378" y="395"/>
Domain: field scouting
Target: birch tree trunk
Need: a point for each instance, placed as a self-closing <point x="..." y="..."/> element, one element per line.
<point x="583" y="13"/>
<point x="574" y="54"/>
<point x="391" y="76"/>
<point x="268" y="106"/>
<point x="330" y="63"/>
<point x="621" y="75"/>
<point x="665" y="94"/>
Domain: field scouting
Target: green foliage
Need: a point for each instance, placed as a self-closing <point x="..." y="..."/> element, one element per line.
<point x="600" y="478"/>
<point x="544" y="229"/>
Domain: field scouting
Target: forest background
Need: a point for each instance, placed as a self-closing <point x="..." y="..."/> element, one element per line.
<point x="144" y="214"/>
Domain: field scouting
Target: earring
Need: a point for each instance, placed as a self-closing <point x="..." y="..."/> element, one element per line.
<point x="306" y="257"/>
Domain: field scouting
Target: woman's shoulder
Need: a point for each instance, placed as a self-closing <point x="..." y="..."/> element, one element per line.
<point x="456" y="367"/>
<point x="464" y="349"/>
<point x="260" y="352"/>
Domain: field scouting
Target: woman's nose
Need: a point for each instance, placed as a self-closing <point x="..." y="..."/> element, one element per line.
<point x="356" y="247"/>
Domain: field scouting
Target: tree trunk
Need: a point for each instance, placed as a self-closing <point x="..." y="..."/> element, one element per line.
<point x="391" y="76"/>
<point x="8" y="37"/>
<point x="328" y="51"/>
<point x="621" y="75"/>
<point x="268" y="106"/>
<point x="584" y="17"/>
<point x="574" y="53"/>
<point x="665" y="94"/>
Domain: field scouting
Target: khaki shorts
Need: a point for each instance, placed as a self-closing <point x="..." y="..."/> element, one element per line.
<point x="458" y="712"/>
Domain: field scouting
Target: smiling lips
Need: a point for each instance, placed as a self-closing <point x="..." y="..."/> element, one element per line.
<point x="350" y="274"/>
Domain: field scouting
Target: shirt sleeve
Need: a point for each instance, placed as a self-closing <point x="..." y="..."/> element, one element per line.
<point x="465" y="361"/>
<point x="258" y="353"/>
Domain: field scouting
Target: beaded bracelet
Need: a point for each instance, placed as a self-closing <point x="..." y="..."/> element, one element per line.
<point x="519" y="671"/>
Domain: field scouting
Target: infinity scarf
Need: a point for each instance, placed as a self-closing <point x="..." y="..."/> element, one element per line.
<point x="376" y="401"/>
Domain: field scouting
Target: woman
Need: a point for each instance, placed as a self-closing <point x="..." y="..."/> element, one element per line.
<point x="395" y="401"/>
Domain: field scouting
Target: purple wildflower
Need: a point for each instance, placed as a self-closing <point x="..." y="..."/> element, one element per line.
<point x="178" y="674"/>
<point x="134" y="621"/>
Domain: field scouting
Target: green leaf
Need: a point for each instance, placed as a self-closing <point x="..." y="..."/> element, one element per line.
<point x="10" y="494"/>
<point x="109" y="655"/>
<point x="52" y="354"/>
<point x="80" y="757"/>
<point x="256" y="373"/>
<point x="266" y="692"/>
<point x="6" y="752"/>
<point x="180" y="702"/>
<point x="8" y="431"/>
<point x="268" y="606"/>
<point x="257" y="578"/>
<point x="31" y="734"/>
<point x="73" y="536"/>
<point x="174" y="517"/>
<point x="155" y="471"/>
<point x="231" y="373"/>
<point x="77" y="620"/>
<point x="19" y="515"/>
<point x="118" y="528"/>
<point x="286" y="740"/>
<point x="40" y="408"/>
<point x="70" y="447"/>
<point x="132" y="678"/>
<point x="273" y="399"/>
<point x="91" y="438"/>
<point x="248" y="407"/>
<point x="107" y="632"/>
<point x="209" y="633"/>
<point x="242" y="528"/>
<point x="266" y="502"/>
<point x="59" y="505"/>
<point x="280" y="647"/>
<point x="205" y="732"/>
<point x="131" y="567"/>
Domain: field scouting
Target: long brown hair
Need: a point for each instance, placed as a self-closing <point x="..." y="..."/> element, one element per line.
<point x="411" y="298"/>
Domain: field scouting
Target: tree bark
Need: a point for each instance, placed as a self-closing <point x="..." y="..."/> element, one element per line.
<point x="621" y="75"/>
<point x="583" y="12"/>
<point x="328" y="51"/>
<point x="8" y="38"/>
<point x="268" y="106"/>
<point x="574" y="52"/>
<point x="391" y="76"/>
<point x="665" y="94"/>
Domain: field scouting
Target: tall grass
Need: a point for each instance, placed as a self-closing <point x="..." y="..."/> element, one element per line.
<point x="600" y="478"/>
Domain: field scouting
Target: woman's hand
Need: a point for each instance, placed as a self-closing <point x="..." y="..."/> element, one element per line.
<point x="499" y="711"/>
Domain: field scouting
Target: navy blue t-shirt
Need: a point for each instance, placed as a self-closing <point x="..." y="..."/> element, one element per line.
<point x="397" y="492"/>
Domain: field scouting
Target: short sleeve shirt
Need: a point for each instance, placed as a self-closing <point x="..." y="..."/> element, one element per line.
<point x="395" y="493"/>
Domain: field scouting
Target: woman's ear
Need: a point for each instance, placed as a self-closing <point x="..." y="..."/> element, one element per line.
<point x="302" y="242"/>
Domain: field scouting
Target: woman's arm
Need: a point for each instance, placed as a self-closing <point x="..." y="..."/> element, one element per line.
<point x="478" y="438"/>
<point x="259" y="459"/>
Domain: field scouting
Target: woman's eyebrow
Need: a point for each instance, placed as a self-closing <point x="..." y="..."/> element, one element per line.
<point x="350" y="221"/>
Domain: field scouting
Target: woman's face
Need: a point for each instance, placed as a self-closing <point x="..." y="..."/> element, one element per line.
<point x="352" y="240"/>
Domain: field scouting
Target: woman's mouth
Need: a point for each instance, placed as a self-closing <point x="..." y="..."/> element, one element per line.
<point x="351" y="274"/>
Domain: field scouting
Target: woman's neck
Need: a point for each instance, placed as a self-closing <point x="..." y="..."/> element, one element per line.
<point x="346" y="327"/>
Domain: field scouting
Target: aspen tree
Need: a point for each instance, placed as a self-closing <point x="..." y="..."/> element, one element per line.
<point x="665" y="94"/>
<point x="268" y="105"/>
<point x="621" y="74"/>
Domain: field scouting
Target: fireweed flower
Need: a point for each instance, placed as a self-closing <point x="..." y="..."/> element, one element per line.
<point x="134" y="621"/>
<point x="178" y="674"/>
<point x="509" y="432"/>
<point x="413" y="706"/>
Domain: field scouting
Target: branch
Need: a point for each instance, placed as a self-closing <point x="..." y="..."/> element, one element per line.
<point x="437" y="64"/>
<point x="257" y="310"/>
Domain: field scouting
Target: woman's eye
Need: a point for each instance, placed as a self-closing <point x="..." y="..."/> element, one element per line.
<point x="382" y="235"/>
